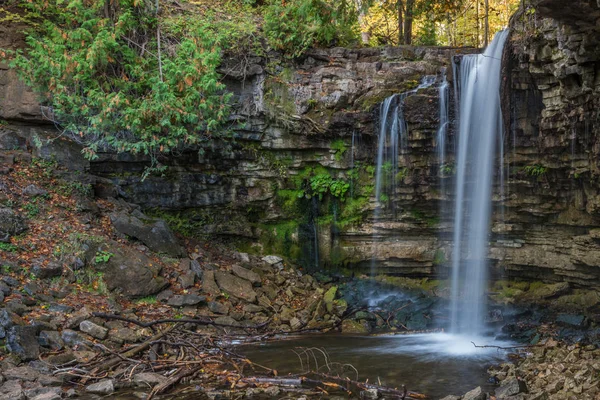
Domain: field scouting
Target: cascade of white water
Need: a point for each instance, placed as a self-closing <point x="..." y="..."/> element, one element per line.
<point x="393" y="136"/>
<point x="480" y="127"/>
<point x="442" y="129"/>
<point x="392" y="142"/>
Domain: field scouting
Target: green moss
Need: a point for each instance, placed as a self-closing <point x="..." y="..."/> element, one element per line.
<point x="281" y="239"/>
<point x="288" y="200"/>
<point x="277" y="96"/>
<point x="188" y="223"/>
<point x="439" y="258"/>
<point x="270" y="159"/>
<point x="533" y="286"/>
<point x="535" y="170"/>
<point x="340" y="148"/>
<point x="370" y="101"/>
<point x="424" y="284"/>
<point x="353" y="212"/>
<point x="579" y="300"/>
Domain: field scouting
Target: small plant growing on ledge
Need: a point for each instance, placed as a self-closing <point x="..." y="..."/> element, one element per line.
<point x="340" y="149"/>
<point x="448" y="169"/>
<point x="102" y="256"/>
<point x="535" y="170"/>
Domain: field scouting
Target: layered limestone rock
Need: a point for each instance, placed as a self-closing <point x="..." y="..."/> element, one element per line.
<point x="322" y="111"/>
<point x="552" y="99"/>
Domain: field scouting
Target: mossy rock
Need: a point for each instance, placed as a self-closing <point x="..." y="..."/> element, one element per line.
<point x="579" y="300"/>
<point x="355" y="327"/>
<point x="540" y="291"/>
<point x="328" y="298"/>
<point x="426" y="285"/>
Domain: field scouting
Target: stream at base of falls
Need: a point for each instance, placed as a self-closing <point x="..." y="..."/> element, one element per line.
<point x="433" y="364"/>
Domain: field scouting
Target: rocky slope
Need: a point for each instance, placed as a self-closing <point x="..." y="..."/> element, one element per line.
<point x="322" y="111"/>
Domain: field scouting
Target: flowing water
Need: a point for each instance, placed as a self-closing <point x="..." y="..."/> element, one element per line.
<point x="392" y="143"/>
<point x="441" y="139"/>
<point x="425" y="363"/>
<point x="443" y="126"/>
<point x="480" y="130"/>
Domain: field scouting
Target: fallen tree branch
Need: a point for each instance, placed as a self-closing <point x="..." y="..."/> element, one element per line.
<point x="172" y="320"/>
<point x="526" y="346"/>
<point x="182" y="373"/>
<point x="111" y="362"/>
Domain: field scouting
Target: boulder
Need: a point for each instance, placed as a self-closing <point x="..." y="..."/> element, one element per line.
<point x="328" y="298"/>
<point x="355" y="327"/>
<point x="11" y="224"/>
<point x="52" y="270"/>
<point x="571" y="319"/>
<point x="17" y="307"/>
<point x="196" y="268"/>
<point x="43" y="393"/>
<point x="227" y="321"/>
<point x="51" y="339"/>
<point x="187" y="280"/>
<point x="208" y="283"/>
<point x="24" y="373"/>
<point x="370" y="394"/>
<point x="72" y="338"/>
<point x="286" y="314"/>
<point x="77" y="317"/>
<point x="148" y="379"/>
<point x="246" y="274"/>
<point x="218" y="308"/>
<point x="126" y="335"/>
<point x="475" y="394"/>
<point x="127" y="270"/>
<point x="185" y="300"/>
<point x="105" y="386"/>
<point x="34" y="190"/>
<point x="21" y="341"/>
<point x="548" y="291"/>
<point x="272" y="260"/>
<point x="510" y="387"/>
<point x="155" y="234"/>
<point x="235" y="286"/>
<point x="11" y="390"/>
<point x="94" y="330"/>
<point x="48" y="395"/>
<point x="296" y="324"/>
<point x="8" y="319"/>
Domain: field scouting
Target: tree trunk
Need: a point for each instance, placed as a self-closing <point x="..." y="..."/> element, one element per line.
<point x="400" y="22"/>
<point x="364" y="35"/>
<point x="408" y="21"/>
<point x="487" y="22"/>
<point x="477" y="19"/>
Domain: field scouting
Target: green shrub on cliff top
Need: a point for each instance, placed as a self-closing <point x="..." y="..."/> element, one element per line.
<point x="121" y="75"/>
<point x="295" y="25"/>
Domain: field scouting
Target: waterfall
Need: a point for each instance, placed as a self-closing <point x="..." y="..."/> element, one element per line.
<point x="393" y="138"/>
<point x="392" y="142"/>
<point x="442" y="130"/>
<point x="480" y="129"/>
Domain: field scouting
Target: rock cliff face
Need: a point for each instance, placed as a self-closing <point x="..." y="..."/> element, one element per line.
<point x="319" y="115"/>
<point x="552" y="99"/>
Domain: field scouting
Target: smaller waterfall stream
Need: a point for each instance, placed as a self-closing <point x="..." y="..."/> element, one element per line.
<point x="392" y="143"/>
<point x="480" y="132"/>
<point x="441" y="136"/>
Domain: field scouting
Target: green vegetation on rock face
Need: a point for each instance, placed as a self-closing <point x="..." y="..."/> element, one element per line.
<point x="321" y="199"/>
<point x="536" y="170"/>
<point x="128" y="76"/>
<point x="294" y="26"/>
<point x="141" y="77"/>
